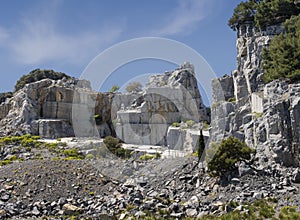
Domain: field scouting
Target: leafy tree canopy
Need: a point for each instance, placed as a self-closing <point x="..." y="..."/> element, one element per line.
<point x="282" y="58"/>
<point x="263" y="12"/>
<point x="244" y="11"/>
<point x="37" y="75"/>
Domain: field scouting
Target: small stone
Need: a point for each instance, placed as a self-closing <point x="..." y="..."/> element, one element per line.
<point x="71" y="209"/>
<point x="177" y="215"/>
<point x="8" y="187"/>
<point x="5" y="198"/>
<point x="139" y="214"/>
<point x="191" y="212"/>
<point x="239" y="208"/>
<point x="2" y="212"/>
<point x="235" y="180"/>
<point x="296" y="176"/>
<point x="35" y="211"/>
<point x="122" y="216"/>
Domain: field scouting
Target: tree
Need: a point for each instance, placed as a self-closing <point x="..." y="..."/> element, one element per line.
<point x="263" y="12"/>
<point x="114" y="88"/>
<point x="134" y="87"/>
<point x="244" y="11"/>
<point x="270" y="12"/>
<point x="201" y="145"/>
<point x="227" y="154"/>
<point x="282" y="58"/>
<point x="37" y="75"/>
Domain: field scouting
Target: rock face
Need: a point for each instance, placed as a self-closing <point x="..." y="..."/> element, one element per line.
<point x="45" y="108"/>
<point x="250" y="44"/>
<point x="266" y="117"/>
<point x="69" y="107"/>
<point x="168" y="98"/>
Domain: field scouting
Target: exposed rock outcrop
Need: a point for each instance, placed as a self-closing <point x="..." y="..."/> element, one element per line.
<point x="45" y="108"/>
<point x="266" y="117"/>
<point x="168" y="98"/>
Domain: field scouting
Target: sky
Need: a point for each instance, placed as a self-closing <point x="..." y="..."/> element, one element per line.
<point x="66" y="35"/>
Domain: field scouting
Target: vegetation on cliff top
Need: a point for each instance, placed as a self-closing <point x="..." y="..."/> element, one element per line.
<point x="37" y="75"/>
<point x="282" y="58"/>
<point x="263" y="12"/>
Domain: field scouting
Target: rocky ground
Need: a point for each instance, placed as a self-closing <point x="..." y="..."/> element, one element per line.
<point x="120" y="189"/>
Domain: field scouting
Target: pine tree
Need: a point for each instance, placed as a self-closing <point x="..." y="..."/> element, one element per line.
<point x="201" y="145"/>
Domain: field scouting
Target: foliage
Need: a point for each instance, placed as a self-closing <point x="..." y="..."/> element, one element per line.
<point x="37" y="75"/>
<point x="114" y="145"/>
<point x="73" y="154"/>
<point x="89" y="157"/>
<point x="271" y="12"/>
<point x="9" y="160"/>
<point x="114" y="88"/>
<point x="150" y="156"/>
<point x="263" y="12"/>
<point x="227" y="154"/>
<point x="244" y="11"/>
<point x="98" y="119"/>
<point x="289" y="212"/>
<point x="176" y="124"/>
<point x="201" y="145"/>
<point x="134" y="87"/>
<point x="4" y="96"/>
<point x="205" y="125"/>
<point x="190" y="123"/>
<point x="282" y="58"/>
<point x="232" y="99"/>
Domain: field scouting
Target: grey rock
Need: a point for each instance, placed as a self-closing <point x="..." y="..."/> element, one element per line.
<point x="296" y="176"/>
<point x="35" y="211"/>
<point x="191" y="212"/>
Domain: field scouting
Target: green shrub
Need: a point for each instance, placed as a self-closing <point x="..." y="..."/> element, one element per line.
<point x="176" y="124"/>
<point x="72" y="154"/>
<point x="225" y="156"/>
<point x="289" y="213"/>
<point x="232" y="99"/>
<point x="9" y="160"/>
<point x="114" y="145"/>
<point x="205" y="125"/>
<point x="150" y="156"/>
<point x="190" y="123"/>
<point x="89" y="157"/>
<point x="114" y="88"/>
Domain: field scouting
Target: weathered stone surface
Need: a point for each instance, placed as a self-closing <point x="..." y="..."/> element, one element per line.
<point x="168" y="98"/>
<point x="222" y="88"/>
<point x="266" y="117"/>
<point x="53" y="128"/>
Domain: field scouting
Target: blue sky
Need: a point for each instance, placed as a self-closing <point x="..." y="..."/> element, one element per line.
<point x="65" y="35"/>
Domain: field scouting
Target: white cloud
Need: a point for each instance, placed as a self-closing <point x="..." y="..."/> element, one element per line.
<point x="184" y="18"/>
<point x="39" y="42"/>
